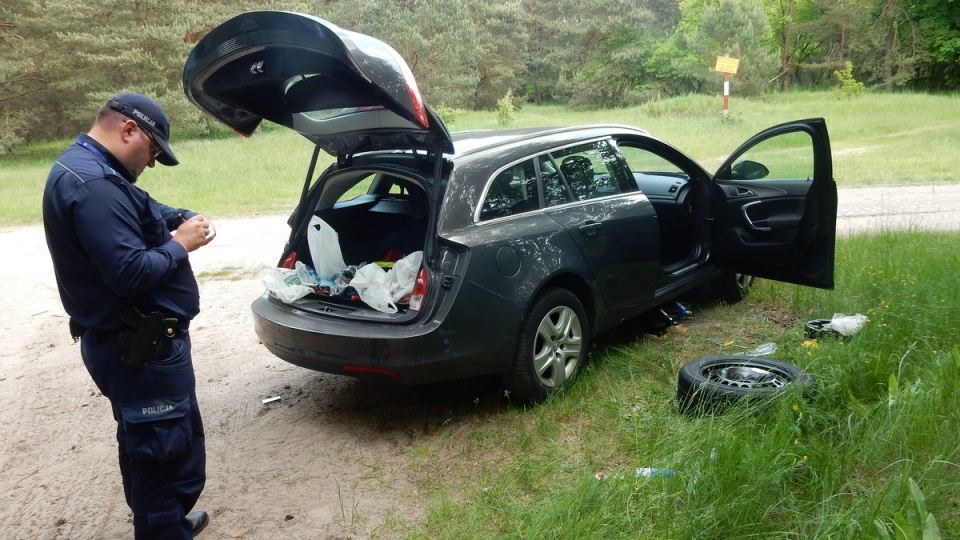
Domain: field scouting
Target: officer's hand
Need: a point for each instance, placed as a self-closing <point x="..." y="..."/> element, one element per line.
<point x="195" y="233"/>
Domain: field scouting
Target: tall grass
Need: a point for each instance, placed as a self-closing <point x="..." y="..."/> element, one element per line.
<point x="874" y="451"/>
<point x="894" y="139"/>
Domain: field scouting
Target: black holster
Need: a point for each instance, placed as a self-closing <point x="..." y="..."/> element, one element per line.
<point x="75" y="330"/>
<point x="149" y="336"/>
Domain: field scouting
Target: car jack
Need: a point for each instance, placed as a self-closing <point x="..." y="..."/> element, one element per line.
<point x="677" y="313"/>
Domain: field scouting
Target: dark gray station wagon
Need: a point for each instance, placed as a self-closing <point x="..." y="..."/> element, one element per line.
<point x="533" y="240"/>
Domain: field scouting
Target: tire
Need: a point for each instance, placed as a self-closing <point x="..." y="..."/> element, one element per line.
<point x="710" y="383"/>
<point x="731" y="287"/>
<point x="552" y="349"/>
<point x="819" y="329"/>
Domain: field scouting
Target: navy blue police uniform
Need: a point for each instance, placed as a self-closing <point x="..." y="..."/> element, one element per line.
<point x="112" y="252"/>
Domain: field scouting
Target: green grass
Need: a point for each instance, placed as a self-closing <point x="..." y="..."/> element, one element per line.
<point x="840" y="465"/>
<point x="893" y="139"/>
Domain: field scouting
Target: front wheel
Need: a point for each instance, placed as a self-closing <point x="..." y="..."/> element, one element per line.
<point x="553" y="346"/>
<point x="731" y="287"/>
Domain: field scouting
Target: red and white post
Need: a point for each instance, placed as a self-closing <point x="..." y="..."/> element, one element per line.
<point x="728" y="66"/>
<point x="726" y="94"/>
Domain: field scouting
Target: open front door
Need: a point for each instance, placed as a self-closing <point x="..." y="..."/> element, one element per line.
<point x="775" y="206"/>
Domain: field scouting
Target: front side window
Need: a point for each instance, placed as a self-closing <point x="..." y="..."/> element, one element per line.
<point x="653" y="173"/>
<point x="643" y="161"/>
<point x="784" y="157"/>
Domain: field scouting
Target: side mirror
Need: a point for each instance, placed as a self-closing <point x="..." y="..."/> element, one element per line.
<point x="748" y="170"/>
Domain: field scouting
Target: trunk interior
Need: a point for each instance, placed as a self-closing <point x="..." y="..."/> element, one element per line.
<point x="374" y="228"/>
<point x="386" y="222"/>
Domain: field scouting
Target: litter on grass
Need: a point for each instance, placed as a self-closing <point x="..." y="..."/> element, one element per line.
<point x="641" y="472"/>
<point x="839" y="325"/>
<point x="764" y="349"/>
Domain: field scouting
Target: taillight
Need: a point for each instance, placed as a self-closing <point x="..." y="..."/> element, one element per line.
<point x="419" y="291"/>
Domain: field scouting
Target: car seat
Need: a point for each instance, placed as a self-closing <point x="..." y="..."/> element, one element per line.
<point x="578" y="172"/>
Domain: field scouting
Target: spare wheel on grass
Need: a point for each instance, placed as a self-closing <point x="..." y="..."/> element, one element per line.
<point x="710" y="382"/>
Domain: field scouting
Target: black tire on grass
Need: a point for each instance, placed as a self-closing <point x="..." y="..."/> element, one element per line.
<point x="710" y="383"/>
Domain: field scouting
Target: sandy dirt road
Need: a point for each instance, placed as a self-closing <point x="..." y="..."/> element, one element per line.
<point x="334" y="458"/>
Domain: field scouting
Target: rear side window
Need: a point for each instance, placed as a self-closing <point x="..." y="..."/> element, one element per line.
<point x="554" y="189"/>
<point x="577" y="173"/>
<point x="593" y="170"/>
<point x="511" y="192"/>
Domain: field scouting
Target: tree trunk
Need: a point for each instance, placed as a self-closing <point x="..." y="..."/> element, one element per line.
<point x="891" y="44"/>
<point x="534" y="71"/>
<point x="786" y="75"/>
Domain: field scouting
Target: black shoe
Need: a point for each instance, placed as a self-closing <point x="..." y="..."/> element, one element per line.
<point x="198" y="520"/>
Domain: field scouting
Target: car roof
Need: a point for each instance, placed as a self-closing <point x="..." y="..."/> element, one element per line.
<point x="468" y="143"/>
<point x="518" y="142"/>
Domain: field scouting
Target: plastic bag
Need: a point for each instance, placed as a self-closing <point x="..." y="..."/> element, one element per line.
<point x="402" y="277"/>
<point x="324" y="243"/>
<point x="308" y="276"/>
<point x="370" y="284"/>
<point x="382" y="289"/>
<point x="847" y="325"/>
<point x="285" y="283"/>
<point x="765" y="349"/>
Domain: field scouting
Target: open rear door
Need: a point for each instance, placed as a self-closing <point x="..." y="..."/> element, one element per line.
<point x="775" y="206"/>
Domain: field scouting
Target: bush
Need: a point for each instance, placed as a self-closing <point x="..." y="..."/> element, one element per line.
<point x="449" y="115"/>
<point x="688" y="106"/>
<point x="849" y="86"/>
<point x="506" y="112"/>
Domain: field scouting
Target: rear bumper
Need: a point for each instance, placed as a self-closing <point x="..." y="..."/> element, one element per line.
<point x="465" y="343"/>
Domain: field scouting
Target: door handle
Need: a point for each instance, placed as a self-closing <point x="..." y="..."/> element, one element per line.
<point x="741" y="192"/>
<point x="591" y="228"/>
<point x="754" y="225"/>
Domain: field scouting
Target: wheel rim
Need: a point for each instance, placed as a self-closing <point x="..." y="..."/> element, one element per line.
<point x="744" y="281"/>
<point x="746" y="375"/>
<point x="556" y="351"/>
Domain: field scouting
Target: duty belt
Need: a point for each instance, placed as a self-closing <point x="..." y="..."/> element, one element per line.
<point x="172" y="329"/>
<point x="148" y="336"/>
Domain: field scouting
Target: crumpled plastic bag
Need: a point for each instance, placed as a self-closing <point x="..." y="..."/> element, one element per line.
<point x="308" y="276"/>
<point x="402" y="277"/>
<point x="847" y="325"/>
<point x="382" y="289"/>
<point x="764" y="349"/>
<point x="324" y="244"/>
<point x="286" y="284"/>
<point x="370" y="284"/>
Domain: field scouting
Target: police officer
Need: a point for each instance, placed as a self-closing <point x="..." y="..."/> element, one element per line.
<point x="124" y="276"/>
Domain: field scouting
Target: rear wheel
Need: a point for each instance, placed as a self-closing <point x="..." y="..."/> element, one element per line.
<point x="553" y="346"/>
<point x="731" y="287"/>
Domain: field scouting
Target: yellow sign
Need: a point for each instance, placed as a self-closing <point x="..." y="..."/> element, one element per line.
<point x="725" y="64"/>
